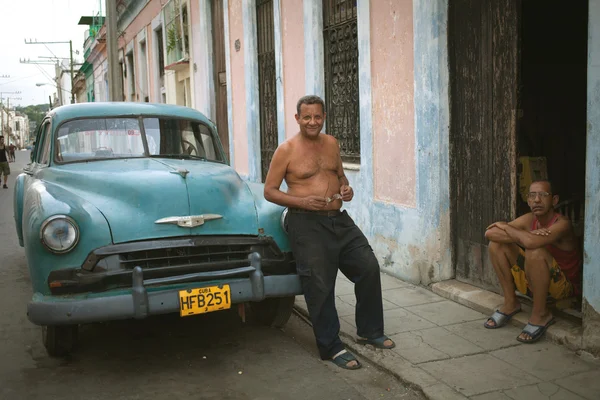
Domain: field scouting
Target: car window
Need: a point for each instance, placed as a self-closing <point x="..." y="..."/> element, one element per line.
<point x="44" y="151"/>
<point x="172" y="137"/>
<point x="98" y="139"/>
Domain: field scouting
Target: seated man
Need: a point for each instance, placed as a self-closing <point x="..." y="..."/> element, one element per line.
<point x="538" y="253"/>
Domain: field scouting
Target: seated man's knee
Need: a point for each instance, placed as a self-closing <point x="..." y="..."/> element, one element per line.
<point x="495" y="247"/>
<point x="535" y="256"/>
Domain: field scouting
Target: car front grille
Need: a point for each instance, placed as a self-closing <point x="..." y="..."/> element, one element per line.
<point x="182" y="256"/>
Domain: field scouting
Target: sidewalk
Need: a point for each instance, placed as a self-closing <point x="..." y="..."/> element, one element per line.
<point x="443" y="349"/>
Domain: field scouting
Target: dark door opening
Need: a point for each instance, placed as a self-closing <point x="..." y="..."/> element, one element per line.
<point x="553" y="102"/>
<point x="518" y="83"/>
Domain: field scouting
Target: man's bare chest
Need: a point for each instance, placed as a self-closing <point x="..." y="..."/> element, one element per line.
<point x="307" y="166"/>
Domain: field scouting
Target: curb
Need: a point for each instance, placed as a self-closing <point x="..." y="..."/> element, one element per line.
<point x="563" y="332"/>
<point x="391" y="363"/>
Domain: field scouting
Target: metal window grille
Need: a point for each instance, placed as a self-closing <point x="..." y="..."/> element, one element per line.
<point x="266" y="83"/>
<point x="340" y="34"/>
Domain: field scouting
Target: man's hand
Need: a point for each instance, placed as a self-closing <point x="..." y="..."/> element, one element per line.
<point x="314" y="203"/>
<point x="541" y="232"/>
<point x="346" y="192"/>
<point x="500" y="225"/>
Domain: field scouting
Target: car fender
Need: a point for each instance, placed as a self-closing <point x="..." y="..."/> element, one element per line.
<point x="42" y="200"/>
<point x="18" y="206"/>
<point x="269" y="217"/>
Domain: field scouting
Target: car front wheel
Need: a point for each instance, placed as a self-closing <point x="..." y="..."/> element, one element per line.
<point x="273" y="312"/>
<point x="59" y="340"/>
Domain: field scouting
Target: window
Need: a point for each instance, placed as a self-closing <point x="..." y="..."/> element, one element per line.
<point x="44" y="152"/>
<point x="131" y="81"/>
<point x="181" y="138"/>
<point x="99" y="139"/>
<point x="176" y="25"/>
<point x="340" y="34"/>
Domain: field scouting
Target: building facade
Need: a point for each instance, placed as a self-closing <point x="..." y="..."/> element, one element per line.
<point x="440" y="107"/>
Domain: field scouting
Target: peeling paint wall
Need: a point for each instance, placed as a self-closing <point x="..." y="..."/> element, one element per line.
<point x="393" y="102"/>
<point x="591" y="266"/>
<point x="412" y="243"/>
<point x="292" y="37"/>
<point x="404" y="106"/>
<point x="238" y="93"/>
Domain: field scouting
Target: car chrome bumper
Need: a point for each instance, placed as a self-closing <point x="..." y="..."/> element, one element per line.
<point x="140" y="303"/>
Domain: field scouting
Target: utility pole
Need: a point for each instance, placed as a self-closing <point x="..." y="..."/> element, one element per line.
<point x="71" y="58"/>
<point x="115" y="89"/>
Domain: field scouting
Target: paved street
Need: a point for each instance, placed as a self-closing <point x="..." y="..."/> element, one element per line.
<point x="206" y="357"/>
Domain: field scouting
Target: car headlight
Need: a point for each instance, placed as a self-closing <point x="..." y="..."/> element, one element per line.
<point x="59" y="234"/>
<point x="284" y="225"/>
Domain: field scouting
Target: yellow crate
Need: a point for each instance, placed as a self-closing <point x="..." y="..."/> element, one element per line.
<point x="531" y="169"/>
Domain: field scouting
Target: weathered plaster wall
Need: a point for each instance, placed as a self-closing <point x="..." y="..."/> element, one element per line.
<point x="144" y="18"/>
<point x="411" y="243"/>
<point x="202" y="67"/>
<point x="292" y="36"/>
<point x="591" y="267"/>
<point x="393" y="102"/>
<point x="238" y="93"/>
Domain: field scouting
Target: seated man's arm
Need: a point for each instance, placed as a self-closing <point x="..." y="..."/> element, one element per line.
<point x="531" y="241"/>
<point x="494" y="233"/>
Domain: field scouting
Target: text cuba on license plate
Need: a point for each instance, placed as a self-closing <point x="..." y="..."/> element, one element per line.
<point x="204" y="300"/>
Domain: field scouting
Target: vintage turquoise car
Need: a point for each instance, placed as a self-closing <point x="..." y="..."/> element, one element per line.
<point x="131" y="209"/>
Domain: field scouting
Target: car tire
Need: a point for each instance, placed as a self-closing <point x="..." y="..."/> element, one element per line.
<point x="60" y="340"/>
<point x="273" y="312"/>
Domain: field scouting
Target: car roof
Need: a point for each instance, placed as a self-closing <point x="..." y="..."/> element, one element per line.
<point x="114" y="109"/>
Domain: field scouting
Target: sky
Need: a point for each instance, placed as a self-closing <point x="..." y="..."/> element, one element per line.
<point x="44" y="20"/>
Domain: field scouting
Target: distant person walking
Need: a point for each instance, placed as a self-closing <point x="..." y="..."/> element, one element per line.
<point x="11" y="152"/>
<point x="4" y="167"/>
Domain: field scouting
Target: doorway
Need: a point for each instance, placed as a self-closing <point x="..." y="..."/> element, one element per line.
<point x="265" y="28"/>
<point x="518" y="76"/>
<point x="220" y="72"/>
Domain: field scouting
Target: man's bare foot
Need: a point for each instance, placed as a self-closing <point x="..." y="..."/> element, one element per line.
<point x="345" y="359"/>
<point x="382" y="342"/>
<point x="542" y="320"/>
<point x="508" y="310"/>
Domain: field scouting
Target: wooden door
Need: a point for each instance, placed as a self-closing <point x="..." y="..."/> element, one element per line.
<point x="483" y="38"/>
<point x="220" y="72"/>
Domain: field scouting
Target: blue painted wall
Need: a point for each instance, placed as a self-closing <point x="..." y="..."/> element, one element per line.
<point x="411" y="243"/>
<point x="591" y="268"/>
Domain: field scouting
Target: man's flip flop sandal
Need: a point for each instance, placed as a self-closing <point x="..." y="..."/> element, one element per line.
<point x="343" y="358"/>
<point x="535" y="331"/>
<point x="500" y="319"/>
<point x="378" y="343"/>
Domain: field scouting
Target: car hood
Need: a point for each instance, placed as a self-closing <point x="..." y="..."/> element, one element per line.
<point x="135" y="193"/>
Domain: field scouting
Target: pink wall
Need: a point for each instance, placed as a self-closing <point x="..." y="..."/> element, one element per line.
<point x="393" y="101"/>
<point x="240" y="139"/>
<point x="143" y="19"/>
<point x="292" y="24"/>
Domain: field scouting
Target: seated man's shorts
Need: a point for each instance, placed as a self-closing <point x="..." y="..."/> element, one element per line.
<point x="560" y="287"/>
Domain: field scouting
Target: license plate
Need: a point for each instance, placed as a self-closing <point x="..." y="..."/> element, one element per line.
<point x="204" y="300"/>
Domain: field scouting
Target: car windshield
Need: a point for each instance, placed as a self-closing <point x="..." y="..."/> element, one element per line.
<point x="106" y="138"/>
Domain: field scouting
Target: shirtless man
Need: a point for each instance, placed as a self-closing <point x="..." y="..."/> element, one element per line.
<point x="539" y="254"/>
<point x="322" y="237"/>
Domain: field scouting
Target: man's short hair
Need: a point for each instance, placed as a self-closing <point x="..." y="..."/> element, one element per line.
<point x="1" y="137"/>
<point x="553" y="189"/>
<point x="308" y="100"/>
